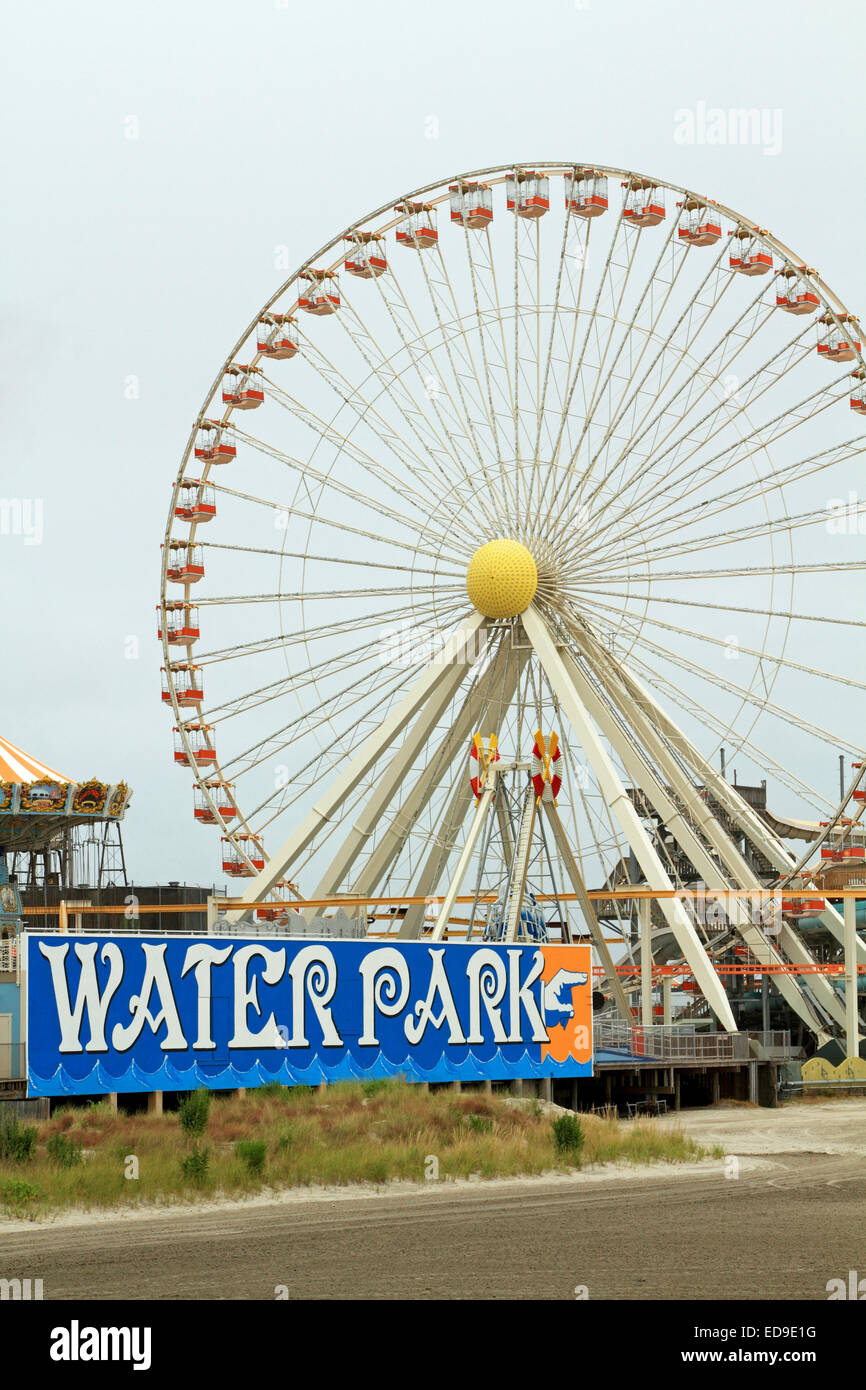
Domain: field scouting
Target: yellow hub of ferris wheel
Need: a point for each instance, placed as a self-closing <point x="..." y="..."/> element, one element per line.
<point x="501" y="579"/>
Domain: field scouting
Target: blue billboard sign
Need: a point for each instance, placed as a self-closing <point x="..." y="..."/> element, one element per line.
<point x="141" y="1013"/>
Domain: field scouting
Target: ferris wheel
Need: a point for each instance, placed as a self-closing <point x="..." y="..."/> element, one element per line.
<point x="538" y="449"/>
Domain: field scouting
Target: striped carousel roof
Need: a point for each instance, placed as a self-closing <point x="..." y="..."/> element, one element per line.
<point x="17" y="766"/>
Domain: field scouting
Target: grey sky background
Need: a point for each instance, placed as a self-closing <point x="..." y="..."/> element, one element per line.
<point x="261" y="125"/>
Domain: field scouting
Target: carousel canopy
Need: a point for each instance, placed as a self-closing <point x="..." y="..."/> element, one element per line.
<point x="17" y="766"/>
<point x="38" y="805"/>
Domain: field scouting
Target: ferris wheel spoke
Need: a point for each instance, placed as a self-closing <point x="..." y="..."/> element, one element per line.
<point x="718" y="418"/>
<point x="562" y="273"/>
<point x="738" y="536"/>
<point x="482" y="279"/>
<point x="454" y="420"/>
<point x="325" y="431"/>
<point x="323" y="762"/>
<point x="302" y="596"/>
<point x="718" y="728"/>
<point x="787" y="614"/>
<point x="447" y="455"/>
<point x="328" y="481"/>
<point x="320" y="669"/>
<point x="443" y="299"/>
<point x="759" y="700"/>
<point x="368" y="412"/>
<point x="310" y="557"/>
<point x="323" y="632"/>
<point x="606" y="281"/>
<point x="281" y="510"/>
<point x="734" y="496"/>
<point x="763" y="656"/>
<point x="603" y="382"/>
<point x="717" y="282"/>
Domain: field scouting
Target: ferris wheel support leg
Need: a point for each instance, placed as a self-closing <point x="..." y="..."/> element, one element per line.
<point x="439" y="769"/>
<point x="618" y="800"/>
<point x="434" y="867"/>
<point x="520" y="866"/>
<point x="459" y="648"/>
<point x="740" y="812"/>
<point x="852" y="1018"/>
<point x="492" y="704"/>
<point x="478" y="820"/>
<point x="388" y="786"/>
<point x="594" y="926"/>
<point x="641" y="773"/>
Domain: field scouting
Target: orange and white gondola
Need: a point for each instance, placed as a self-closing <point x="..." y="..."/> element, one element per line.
<point x="320" y="295"/>
<point x="184" y="564"/>
<point x="195" y="750"/>
<point x="277" y="336"/>
<point x="418" y="228"/>
<point x="698" y="226"/>
<point x="212" y="444"/>
<point x="195" y="502"/>
<point x="586" y="193"/>
<point x="644" y="203"/>
<point x="187" y="681"/>
<point x="242" y="855"/>
<point x="838" y="337"/>
<point x="181" y="623"/>
<point x="748" y="255"/>
<point x="857" y="399"/>
<point x="793" y="294"/>
<point x="366" y="260"/>
<point x="243" y="388"/>
<point x="471" y="204"/>
<point x="528" y="194"/>
<point x="221" y="794"/>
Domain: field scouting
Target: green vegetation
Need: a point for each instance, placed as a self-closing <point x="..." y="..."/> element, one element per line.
<point x="18" y="1195"/>
<point x="253" y="1153"/>
<point x="272" y="1139"/>
<point x="64" y="1150"/>
<point x="195" y="1165"/>
<point x="193" y="1113"/>
<point x="568" y="1134"/>
<point x="17" y="1142"/>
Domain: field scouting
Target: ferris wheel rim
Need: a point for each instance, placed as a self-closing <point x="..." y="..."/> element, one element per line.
<point x="831" y="304"/>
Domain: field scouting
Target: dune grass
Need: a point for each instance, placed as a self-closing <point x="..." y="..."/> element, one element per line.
<point x="277" y="1137"/>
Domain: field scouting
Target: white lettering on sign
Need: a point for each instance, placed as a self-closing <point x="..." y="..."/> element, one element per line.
<point x="88" y="996"/>
<point x="385" y="988"/>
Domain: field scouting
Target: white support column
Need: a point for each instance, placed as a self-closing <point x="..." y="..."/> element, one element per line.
<point x="496" y="701"/>
<point x="519" y="867"/>
<point x="645" y="914"/>
<point x="666" y="1000"/>
<point x="740" y="812"/>
<point x="459" y="648"/>
<point x="389" y="784"/>
<point x="475" y="829"/>
<point x="621" y="807"/>
<point x="657" y="793"/>
<point x="852" y="1017"/>
<point x="439" y="769"/>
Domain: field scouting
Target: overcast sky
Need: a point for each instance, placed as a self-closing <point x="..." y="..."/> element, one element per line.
<point x="155" y="156"/>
